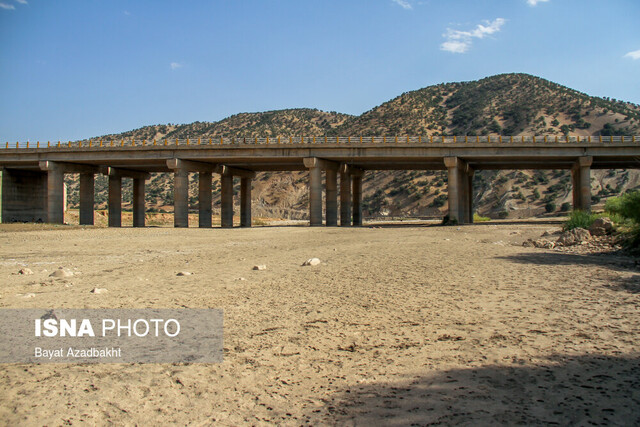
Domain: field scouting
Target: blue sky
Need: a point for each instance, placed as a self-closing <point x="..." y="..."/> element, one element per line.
<point x="72" y="69"/>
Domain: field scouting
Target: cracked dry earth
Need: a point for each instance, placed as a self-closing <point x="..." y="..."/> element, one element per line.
<point x="397" y="325"/>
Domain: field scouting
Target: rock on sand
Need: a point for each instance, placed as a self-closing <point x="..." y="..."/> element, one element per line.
<point x="311" y="261"/>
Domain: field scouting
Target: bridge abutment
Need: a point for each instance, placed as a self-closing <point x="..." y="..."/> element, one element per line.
<point x="24" y="196"/>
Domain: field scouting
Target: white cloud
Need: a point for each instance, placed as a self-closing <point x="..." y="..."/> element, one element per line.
<point x="7" y="6"/>
<point x="633" y="55"/>
<point x="176" y="65"/>
<point x="535" y="2"/>
<point x="403" y="3"/>
<point x="127" y="13"/>
<point x="460" y="41"/>
<point x="22" y="1"/>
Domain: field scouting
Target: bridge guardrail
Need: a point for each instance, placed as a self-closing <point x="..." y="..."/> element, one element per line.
<point x="299" y="140"/>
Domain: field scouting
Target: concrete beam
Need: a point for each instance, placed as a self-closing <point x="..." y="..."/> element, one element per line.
<point x="65" y="167"/>
<point x="192" y="166"/>
<point x="124" y="173"/>
<point x="314" y="162"/>
<point x="231" y="171"/>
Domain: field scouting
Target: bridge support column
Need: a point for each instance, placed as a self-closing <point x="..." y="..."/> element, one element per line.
<point x="357" y="199"/>
<point x="55" y="194"/>
<point x="331" y="186"/>
<point x="453" y="184"/>
<point x="226" y="200"/>
<point x="181" y="198"/>
<point x="345" y="197"/>
<point x="575" y="192"/>
<point x="87" y="198"/>
<point x="470" y="173"/>
<point x="245" y="202"/>
<point x="115" y="201"/>
<point x="204" y="199"/>
<point x="315" y="190"/>
<point x="138" y="202"/>
<point x="581" y="180"/>
<point x="585" y="182"/>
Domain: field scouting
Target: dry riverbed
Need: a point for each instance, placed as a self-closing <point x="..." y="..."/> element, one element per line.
<point x="396" y="325"/>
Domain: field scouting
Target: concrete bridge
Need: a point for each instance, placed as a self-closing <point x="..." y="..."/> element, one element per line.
<point x="33" y="173"/>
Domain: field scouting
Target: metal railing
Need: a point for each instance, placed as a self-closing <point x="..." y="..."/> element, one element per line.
<point x="329" y="140"/>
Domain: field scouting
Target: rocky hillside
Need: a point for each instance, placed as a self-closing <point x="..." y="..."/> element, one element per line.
<point x="508" y="104"/>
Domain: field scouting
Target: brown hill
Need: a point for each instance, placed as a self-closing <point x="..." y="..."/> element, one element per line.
<point x="508" y="104"/>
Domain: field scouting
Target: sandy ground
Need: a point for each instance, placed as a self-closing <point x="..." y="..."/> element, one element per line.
<point x="398" y="325"/>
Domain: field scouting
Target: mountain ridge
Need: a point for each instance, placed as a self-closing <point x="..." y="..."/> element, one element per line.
<point x="505" y="104"/>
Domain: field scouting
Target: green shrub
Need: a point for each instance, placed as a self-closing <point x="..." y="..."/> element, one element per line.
<point x="550" y="207"/>
<point x="479" y="218"/>
<point x="579" y="219"/>
<point x="627" y="206"/>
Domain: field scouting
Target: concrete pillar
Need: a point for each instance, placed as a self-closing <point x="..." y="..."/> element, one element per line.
<point x="464" y="197"/>
<point x="470" y="195"/>
<point x="453" y="185"/>
<point x="245" y="202"/>
<point x="181" y="198"/>
<point x="345" y="199"/>
<point x="115" y="201"/>
<point x="357" y="200"/>
<point x="584" y="172"/>
<point x="226" y="201"/>
<point x="55" y="195"/>
<point x="204" y="199"/>
<point x="87" y="197"/>
<point x="138" y="202"/>
<point x="331" y="188"/>
<point x="315" y="196"/>
<point x="575" y="189"/>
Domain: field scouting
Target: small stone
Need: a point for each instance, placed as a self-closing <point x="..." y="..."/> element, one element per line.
<point x="99" y="290"/>
<point x="184" y="273"/>
<point x="311" y="261"/>
<point x="241" y="279"/>
<point x="61" y="273"/>
<point x="25" y="271"/>
<point x="528" y="243"/>
<point x="544" y="243"/>
<point x="260" y="267"/>
<point x="26" y="296"/>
